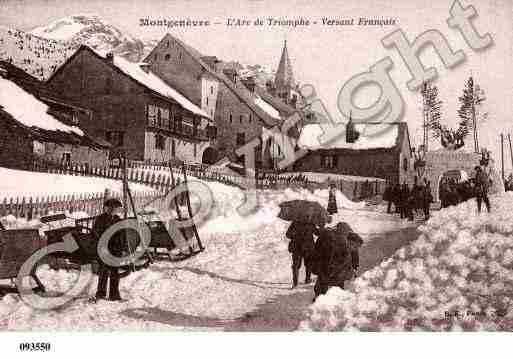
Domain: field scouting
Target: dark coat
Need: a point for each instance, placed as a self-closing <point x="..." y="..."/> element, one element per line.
<point x="332" y="202"/>
<point x="333" y="262"/>
<point x="101" y="224"/>
<point x="301" y="237"/>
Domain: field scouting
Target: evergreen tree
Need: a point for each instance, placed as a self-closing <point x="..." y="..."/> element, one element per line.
<point x="432" y="112"/>
<point x="472" y="96"/>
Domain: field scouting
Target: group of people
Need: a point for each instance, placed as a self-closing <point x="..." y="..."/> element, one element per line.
<point x="453" y="192"/>
<point x="333" y="256"/>
<point x="272" y="180"/>
<point x="508" y="183"/>
<point x="408" y="201"/>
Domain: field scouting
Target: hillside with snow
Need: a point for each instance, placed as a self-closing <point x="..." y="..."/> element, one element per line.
<point x="94" y="32"/>
<point x="41" y="51"/>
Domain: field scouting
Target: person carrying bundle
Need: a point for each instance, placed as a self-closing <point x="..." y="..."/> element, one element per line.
<point x="336" y="257"/>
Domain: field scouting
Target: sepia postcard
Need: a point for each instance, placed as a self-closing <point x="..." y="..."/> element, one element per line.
<point x="253" y="166"/>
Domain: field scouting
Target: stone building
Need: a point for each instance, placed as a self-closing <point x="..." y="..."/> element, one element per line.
<point x="35" y="128"/>
<point x="443" y="163"/>
<point x="133" y="108"/>
<point x="377" y="150"/>
<point x="240" y="110"/>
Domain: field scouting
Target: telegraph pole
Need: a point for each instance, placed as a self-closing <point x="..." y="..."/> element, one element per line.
<point x="502" y="155"/>
<point x="510" y="151"/>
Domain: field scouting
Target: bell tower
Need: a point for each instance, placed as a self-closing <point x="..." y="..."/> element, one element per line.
<point x="284" y="78"/>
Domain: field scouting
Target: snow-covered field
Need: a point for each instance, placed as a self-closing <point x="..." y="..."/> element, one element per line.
<point x="458" y="275"/>
<point x="16" y="183"/>
<point x="246" y="265"/>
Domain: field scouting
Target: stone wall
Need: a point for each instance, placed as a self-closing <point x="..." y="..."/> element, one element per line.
<point x="439" y="162"/>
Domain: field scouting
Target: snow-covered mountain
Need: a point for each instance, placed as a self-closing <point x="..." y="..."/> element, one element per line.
<point x="91" y="30"/>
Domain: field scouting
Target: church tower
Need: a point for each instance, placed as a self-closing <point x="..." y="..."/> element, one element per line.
<point x="284" y="78"/>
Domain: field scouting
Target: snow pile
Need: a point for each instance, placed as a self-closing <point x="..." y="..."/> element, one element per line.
<point x="28" y="110"/>
<point x="17" y="183"/>
<point x="458" y="275"/>
<point x="382" y="135"/>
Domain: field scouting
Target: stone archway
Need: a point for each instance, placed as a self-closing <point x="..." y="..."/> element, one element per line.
<point x="440" y="162"/>
<point x="210" y="156"/>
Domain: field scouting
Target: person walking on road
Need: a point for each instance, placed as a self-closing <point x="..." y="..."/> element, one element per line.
<point x="301" y="248"/>
<point x="332" y="200"/>
<point x="482" y="183"/>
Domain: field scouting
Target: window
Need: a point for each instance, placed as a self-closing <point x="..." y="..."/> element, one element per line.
<point x="195" y="124"/>
<point x="178" y="123"/>
<point x="211" y="132"/>
<point x="195" y="151"/>
<point x="115" y="137"/>
<point x="240" y="118"/>
<point x="231" y="118"/>
<point x="250" y="118"/>
<point x="173" y="148"/>
<point x="167" y="43"/>
<point x="211" y="90"/>
<point x="108" y="84"/>
<point x="160" y="142"/>
<point x="405" y="164"/>
<point x="74" y="118"/>
<point x="241" y="138"/>
<point x="159" y="118"/>
<point x="207" y="101"/>
<point x="167" y="57"/>
<point x="329" y="161"/>
<point x="156" y="57"/>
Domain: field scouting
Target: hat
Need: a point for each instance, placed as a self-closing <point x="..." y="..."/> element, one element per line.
<point x="112" y="203"/>
<point x="343" y="227"/>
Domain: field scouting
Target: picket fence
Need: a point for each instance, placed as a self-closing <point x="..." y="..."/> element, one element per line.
<point x="158" y="178"/>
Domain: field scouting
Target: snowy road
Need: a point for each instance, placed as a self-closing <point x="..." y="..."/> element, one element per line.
<point x="241" y="282"/>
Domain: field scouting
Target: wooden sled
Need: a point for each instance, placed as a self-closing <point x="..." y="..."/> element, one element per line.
<point x="16" y="247"/>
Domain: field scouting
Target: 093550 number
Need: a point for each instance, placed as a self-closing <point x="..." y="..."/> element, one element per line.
<point x="35" y="347"/>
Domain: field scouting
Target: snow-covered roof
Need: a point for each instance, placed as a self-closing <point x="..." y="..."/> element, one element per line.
<point x="372" y="135"/>
<point x="28" y="110"/>
<point x="267" y="108"/>
<point x="153" y="82"/>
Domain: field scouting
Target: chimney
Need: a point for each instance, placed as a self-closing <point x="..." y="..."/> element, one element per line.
<point x="249" y="83"/>
<point x="110" y="57"/>
<point x="231" y="74"/>
<point x="145" y="66"/>
<point x="211" y="61"/>
<point x="269" y="85"/>
<point x="293" y="101"/>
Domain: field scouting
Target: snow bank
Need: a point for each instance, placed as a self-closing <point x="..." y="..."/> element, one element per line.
<point x="28" y="110"/>
<point x="16" y="183"/>
<point x="383" y="135"/>
<point x="458" y="275"/>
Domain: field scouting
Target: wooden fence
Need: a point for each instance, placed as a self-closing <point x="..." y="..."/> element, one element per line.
<point x="30" y="208"/>
<point x="158" y="177"/>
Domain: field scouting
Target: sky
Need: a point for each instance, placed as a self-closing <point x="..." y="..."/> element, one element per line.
<point x="325" y="56"/>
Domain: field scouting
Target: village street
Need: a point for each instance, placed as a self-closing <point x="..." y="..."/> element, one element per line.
<point x="241" y="282"/>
